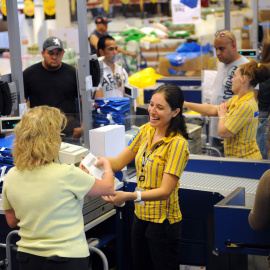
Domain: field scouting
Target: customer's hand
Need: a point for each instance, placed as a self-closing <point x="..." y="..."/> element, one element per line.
<point x="118" y="198"/>
<point x="133" y="55"/>
<point x="82" y="167"/>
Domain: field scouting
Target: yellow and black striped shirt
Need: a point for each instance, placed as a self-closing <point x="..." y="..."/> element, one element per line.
<point x="170" y="157"/>
<point x="242" y="120"/>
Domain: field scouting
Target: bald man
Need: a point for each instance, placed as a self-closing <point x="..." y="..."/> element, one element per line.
<point x="229" y="60"/>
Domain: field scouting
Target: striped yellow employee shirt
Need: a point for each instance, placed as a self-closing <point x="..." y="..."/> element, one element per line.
<point x="169" y="157"/>
<point x="242" y="120"/>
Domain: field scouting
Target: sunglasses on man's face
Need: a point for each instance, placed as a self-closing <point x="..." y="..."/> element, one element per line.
<point x="223" y="35"/>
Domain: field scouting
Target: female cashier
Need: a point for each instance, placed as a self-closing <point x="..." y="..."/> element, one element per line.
<point x="238" y="117"/>
<point x="160" y="149"/>
<point x="45" y="199"/>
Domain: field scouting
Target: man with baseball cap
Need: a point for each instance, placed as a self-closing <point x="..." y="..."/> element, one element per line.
<point x="101" y="30"/>
<point x="52" y="82"/>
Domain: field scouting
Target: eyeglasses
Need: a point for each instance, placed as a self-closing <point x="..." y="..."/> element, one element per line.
<point x="223" y="35"/>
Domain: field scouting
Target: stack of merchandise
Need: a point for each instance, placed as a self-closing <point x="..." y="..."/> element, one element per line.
<point x="111" y="111"/>
<point x="188" y="60"/>
<point x="6" y="159"/>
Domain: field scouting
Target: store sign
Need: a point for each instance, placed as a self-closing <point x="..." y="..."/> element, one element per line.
<point x="186" y="11"/>
<point x="4" y="9"/>
<point x="29" y="9"/>
<point x="49" y="9"/>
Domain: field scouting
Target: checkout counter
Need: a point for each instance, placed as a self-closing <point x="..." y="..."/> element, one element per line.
<point x="208" y="222"/>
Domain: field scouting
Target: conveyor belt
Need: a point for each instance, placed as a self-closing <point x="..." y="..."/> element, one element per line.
<point x="217" y="183"/>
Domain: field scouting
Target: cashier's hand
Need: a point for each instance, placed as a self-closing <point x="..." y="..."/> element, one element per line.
<point x="118" y="198"/>
<point x="222" y="109"/>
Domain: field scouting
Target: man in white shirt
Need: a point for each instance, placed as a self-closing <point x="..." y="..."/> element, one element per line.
<point x="229" y="60"/>
<point x="114" y="77"/>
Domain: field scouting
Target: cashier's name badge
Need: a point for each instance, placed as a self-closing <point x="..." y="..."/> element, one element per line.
<point x="141" y="178"/>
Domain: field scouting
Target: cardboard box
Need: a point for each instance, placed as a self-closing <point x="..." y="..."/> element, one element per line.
<point x="245" y="34"/>
<point x="158" y="49"/>
<point x="193" y="73"/>
<point x="189" y="66"/>
<point x="212" y="63"/>
<point x="247" y="21"/>
<point x="245" y="44"/>
<point x="245" y="38"/>
<point x="264" y="15"/>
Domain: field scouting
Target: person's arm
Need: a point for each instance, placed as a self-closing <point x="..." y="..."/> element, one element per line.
<point x="172" y="171"/>
<point x="223" y="131"/>
<point x="205" y="109"/>
<point x="11" y="218"/>
<point x="93" y="40"/>
<point x="106" y="185"/>
<point x="25" y="87"/>
<point x="169" y="182"/>
<point x="132" y="54"/>
<point x="99" y="93"/>
<point x="259" y="216"/>
<point x="122" y="160"/>
<point x="256" y="92"/>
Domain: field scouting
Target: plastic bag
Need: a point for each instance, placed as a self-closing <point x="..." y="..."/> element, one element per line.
<point x="144" y="78"/>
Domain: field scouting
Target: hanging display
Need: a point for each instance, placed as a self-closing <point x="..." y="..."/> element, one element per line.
<point x="106" y="6"/>
<point x="29" y="9"/>
<point x="141" y="5"/>
<point x="186" y="11"/>
<point x="125" y="2"/>
<point x="4" y="9"/>
<point x="49" y="9"/>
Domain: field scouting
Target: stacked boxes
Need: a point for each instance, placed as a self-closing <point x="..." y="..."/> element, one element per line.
<point x="195" y="132"/>
<point x="245" y="37"/>
<point x="191" y="67"/>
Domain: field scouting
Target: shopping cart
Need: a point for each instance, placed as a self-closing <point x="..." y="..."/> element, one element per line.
<point x="7" y="263"/>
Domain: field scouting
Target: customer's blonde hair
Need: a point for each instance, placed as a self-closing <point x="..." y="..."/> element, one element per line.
<point x="37" y="137"/>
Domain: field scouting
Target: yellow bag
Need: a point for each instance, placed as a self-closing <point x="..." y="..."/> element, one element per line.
<point x="144" y="78"/>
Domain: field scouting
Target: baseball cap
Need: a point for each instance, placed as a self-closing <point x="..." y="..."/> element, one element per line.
<point x="101" y="19"/>
<point x="52" y="43"/>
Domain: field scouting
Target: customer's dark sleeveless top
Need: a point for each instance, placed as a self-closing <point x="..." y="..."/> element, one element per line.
<point x="95" y="32"/>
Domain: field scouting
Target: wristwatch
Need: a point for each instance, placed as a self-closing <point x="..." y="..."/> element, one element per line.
<point x="139" y="196"/>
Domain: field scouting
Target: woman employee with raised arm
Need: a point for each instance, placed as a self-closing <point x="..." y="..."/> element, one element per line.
<point x="238" y="117"/>
<point x="160" y="149"/>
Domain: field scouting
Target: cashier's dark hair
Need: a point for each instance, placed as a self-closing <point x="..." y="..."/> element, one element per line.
<point x="175" y="98"/>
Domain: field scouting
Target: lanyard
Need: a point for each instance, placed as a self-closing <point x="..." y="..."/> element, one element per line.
<point x="145" y="159"/>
